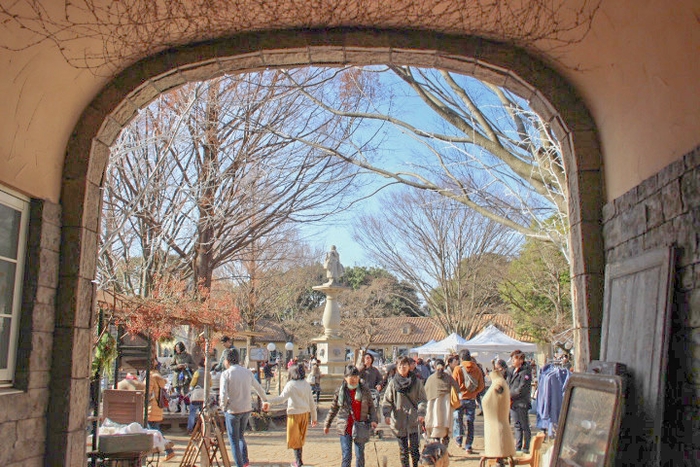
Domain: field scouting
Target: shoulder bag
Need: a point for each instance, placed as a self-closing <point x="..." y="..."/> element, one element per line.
<point x="469" y="382"/>
<point x="162" y="399"/>
<point x="361" y="431"/>
<point x="455" y="403"/>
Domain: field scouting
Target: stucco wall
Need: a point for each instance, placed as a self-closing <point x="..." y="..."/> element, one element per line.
<point x="636" y="69"/>
<point x="664" y="210"/>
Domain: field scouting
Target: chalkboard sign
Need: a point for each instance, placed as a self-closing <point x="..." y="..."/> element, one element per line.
<point x="590" y="421"/>
<point x="134" y="351"/>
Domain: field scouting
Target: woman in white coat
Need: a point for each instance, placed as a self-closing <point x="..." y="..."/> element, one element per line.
<point x="301" y="410"/>
<point x="439" y="412"/>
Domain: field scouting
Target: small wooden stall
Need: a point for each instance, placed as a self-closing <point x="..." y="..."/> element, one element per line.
<point x="120" y="406"/>
<point x="138" y="322"/>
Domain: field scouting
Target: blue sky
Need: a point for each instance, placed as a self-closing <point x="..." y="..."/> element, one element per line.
<point x="398" y="150"/>
<point x="338" y="232"/>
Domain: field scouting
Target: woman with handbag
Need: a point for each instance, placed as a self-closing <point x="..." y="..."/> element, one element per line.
<point x="440" y="388"/>
<point x="155" y="410"/>
<point x="301" y="410"/>
<point x="403" y="408"/>
<point x="182" y="366"/>
<point x="355" y="415"/>
<point x="196" y="395"/>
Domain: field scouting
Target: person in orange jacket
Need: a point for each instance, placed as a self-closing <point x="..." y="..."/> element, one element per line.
<point x="471" y="382"/>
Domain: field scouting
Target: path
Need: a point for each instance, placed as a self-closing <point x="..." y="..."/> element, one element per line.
<point x="269" y="448"/>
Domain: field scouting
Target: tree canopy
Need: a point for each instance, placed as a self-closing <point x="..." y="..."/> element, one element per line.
<point x="451" y="255"/>
<point x="537" y="289"/>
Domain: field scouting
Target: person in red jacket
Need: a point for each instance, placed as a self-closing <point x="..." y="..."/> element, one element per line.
<point x="471" y="383"/>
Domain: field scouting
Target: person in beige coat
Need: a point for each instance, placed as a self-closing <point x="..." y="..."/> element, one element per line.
<point x="498" y="437"/>
<point x="155" y="413"/>
<point x="439" y="412"/>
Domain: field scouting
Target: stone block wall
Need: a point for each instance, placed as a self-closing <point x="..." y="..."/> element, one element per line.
<point x="663" y="210"/>
<point x="23" y="407"/>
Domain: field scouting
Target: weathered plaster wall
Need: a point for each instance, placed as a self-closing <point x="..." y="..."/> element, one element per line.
<point x="639" y="74"/>
<point x="636" y="69"/>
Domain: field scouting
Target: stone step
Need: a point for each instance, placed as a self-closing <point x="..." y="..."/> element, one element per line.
<point x="178" y="421"/>
<point x="174" y="421"/>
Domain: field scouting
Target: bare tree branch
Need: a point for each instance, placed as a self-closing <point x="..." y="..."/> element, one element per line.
<point x="201" y="179"/>
<point x="454" y="255"/>
<point x="481" y="146"/>
<point x="97" y="33"/>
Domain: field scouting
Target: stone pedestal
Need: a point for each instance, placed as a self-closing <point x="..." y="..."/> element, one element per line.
<point x="330" y="383"/>
<point x="331" y="355"/>
<point x="330" y="348"/>
<point x="331" y="313"/>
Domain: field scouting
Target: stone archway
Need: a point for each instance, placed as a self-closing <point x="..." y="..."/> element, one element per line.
<point x="88" y="151"/>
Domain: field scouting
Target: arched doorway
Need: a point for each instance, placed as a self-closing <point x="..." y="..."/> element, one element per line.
<point x="88" y="152"/>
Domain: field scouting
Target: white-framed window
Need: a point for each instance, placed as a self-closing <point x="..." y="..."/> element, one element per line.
<point x="14" y="217"/>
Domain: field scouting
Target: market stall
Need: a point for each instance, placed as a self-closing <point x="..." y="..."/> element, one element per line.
<point x="493" y="343"/>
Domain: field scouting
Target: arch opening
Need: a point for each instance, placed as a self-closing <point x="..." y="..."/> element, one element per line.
<point x="549" y="95"/>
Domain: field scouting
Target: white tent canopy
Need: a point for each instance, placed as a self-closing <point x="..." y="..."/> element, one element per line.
<point x="419" y="349"/>
<point x="451" y="343"/>
<point x="492" y="339"/>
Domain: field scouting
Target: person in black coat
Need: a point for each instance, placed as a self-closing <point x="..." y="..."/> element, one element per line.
<point x="519" y="378"/>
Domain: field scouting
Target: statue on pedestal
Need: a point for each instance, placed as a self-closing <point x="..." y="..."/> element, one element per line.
<point x="331" y="345"/>
<point x="334" y="270"/>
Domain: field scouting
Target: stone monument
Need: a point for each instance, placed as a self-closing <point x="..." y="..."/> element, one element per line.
<point x="330" y="348"/>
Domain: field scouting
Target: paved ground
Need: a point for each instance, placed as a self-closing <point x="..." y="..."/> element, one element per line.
<point x="269" y="448"/>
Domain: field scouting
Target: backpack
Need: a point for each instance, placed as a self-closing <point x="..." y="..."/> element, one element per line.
<point x="469" y="381"/>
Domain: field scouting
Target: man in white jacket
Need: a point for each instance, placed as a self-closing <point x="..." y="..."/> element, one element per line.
<point x="235" y="388"/>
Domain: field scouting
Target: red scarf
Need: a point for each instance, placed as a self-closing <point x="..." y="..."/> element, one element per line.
<point x="356" y="407"/>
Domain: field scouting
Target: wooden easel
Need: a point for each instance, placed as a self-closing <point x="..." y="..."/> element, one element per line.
<point x="206" y="437"/>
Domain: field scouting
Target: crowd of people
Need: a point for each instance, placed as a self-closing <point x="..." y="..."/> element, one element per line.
<point x="416" y="399"/>
<point x="434" y="399"/>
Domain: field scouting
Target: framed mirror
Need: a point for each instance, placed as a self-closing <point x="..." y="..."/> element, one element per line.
<point x="589" y="424"/>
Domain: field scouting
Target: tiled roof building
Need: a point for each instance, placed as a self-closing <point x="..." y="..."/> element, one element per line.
<point x="416" y="331"/>
<point x="409" y="331"/>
